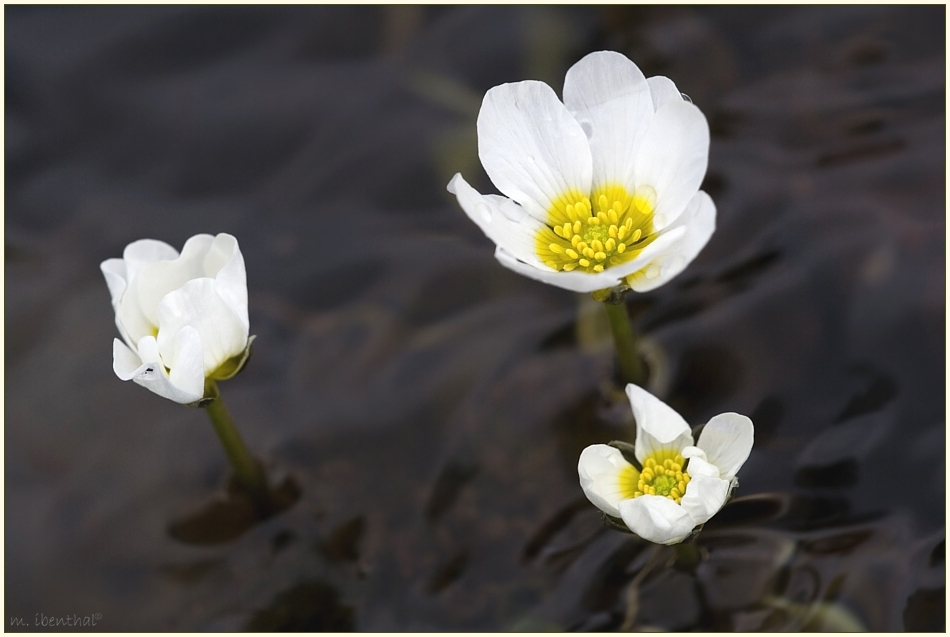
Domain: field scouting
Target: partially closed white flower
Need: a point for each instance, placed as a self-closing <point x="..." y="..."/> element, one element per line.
<point x="602" y="188"/>
<point x="681" y="485"/>
<point x="183" y="317"/>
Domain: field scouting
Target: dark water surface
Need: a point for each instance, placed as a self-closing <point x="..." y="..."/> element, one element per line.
<point x="430" y="404"/>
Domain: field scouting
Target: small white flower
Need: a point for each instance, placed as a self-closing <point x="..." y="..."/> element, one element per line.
<point x="681" y="485"/>
<point x="183" y="317"/>
<point x="602" y="188"/>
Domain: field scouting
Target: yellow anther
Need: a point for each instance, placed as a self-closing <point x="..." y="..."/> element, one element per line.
<point x="551" y="264"/>
<point x="603" y="217"/>
<point x="559" y="231"/>
<point x="577" y="226"/>
<point x="637" y="494"/>
<point x="570" y="253"/>
<point x="613" y="215"/>
<point x="600" y="256"/>
<point x="598" y="268"/>
<point x="609" y="245"/>
<point x="584" y="262"/>
<point x="596" y="245"/>
<point x="575" y="240"/>
<point x="569" y="209"/>
<point x="593" y="221"/>
<point x="602" y="202"/>
<point x="589" y="253"/>
<point x="622" y="232"/>
<point x="662" y="475"/>
<point x="556" y="249"/>
<point x="628" y="224"/>
<point x="569" y="266"/>
<point x="636" y="235"/>
<point x="612" y="231"/>
<point x="621" y="247"/>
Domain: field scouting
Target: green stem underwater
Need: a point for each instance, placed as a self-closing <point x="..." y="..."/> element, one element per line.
<point x="248" y="472"/>
<point x="632" y="369"/>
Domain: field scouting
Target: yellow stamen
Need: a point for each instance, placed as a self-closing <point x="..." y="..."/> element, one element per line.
<point x="592" y="234"/>
<point x="663" y="475"/>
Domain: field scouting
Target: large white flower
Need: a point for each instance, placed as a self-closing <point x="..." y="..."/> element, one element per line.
<point x="681" y="485"/>
<point x="183" y="317"/>
<point x="602" y="188"/>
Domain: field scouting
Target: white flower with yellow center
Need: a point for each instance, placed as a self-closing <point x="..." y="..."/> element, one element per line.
<point x="602" y="188"/>
<point x="681" y="485"/>
<point x="182" y="317"/>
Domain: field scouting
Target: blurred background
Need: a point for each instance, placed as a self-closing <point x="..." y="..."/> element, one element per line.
<point x="430" y="404"/>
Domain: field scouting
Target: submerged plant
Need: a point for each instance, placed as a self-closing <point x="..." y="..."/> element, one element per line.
<point x="602" y="190"/>
<point x="676" y="485"/>
<point x="184" y="326"/>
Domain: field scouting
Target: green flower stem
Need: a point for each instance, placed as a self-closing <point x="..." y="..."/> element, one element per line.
<point x="631" y="367"/>
<point x="248" y="472"/>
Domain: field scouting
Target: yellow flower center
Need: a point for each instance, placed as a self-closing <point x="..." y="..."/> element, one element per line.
<point x="592" y="237"/>
<point x="662" y="474"/>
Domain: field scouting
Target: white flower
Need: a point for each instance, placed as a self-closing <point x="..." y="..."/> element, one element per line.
<point x="183" y="317"/>
<point x="602" y="188"/>
<point x="681" y="485"/>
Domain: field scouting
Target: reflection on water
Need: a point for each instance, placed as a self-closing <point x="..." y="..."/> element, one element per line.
<point x="428" y="405"/>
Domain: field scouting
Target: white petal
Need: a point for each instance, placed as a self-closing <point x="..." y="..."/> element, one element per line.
<point x="202" y="256"/>
<point x="663" y="90"/>
<point x="125" y="362"/>
<point x="588" y="282"/>
<point x="657" y="519"/>
<point x="693" y="452"/>
<point x="225" y="263"/>
<point x="150" y="372"/>
<point x="115" y="273"/>
<point x="501" y="219"/>
<point x="533" y="150"/>
<point x="672" y="158"/>
<point x="704" y="497"/>
<point x="658" y="425"/>
<point x="198" y="304"/>
<point x="727" y="440"/>
<point x="143" y="252"/>
<point x="154" y="270"/>
<point x="156" y="280"/>
<point x="699" y="466"/>
<point x="600" y="468"/>
<point x="610" y="98"/>
<point x="187" y="362"/>
<point x="699" y="221"/>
